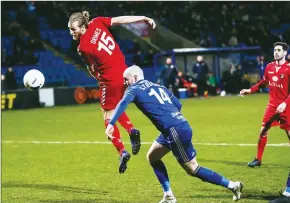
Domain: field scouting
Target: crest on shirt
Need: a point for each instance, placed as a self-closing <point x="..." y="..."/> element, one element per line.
<point x="281" y="76"/>
<point x="275" y="78"/>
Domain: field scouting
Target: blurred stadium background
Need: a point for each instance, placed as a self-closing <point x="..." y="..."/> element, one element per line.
<point x="235" y="40"/>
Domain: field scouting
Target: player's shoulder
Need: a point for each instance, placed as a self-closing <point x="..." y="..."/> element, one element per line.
<point x="140" y="85"/>
<point x="287" y="64"/>
<point x="99" y="19"/>
<point x="271" y="64"/>
<point x="132" y="89"/>
<point x="94" y="20"/>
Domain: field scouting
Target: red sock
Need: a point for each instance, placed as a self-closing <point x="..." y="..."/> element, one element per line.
<point x="125" y="122"/>
<point x="261" y="146"/>
<point x="117" y="142"/>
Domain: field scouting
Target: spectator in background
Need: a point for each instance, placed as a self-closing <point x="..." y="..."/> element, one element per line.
<point x="200" y="71"/>
<point x="149" y="57"/>
<point x="239" y="73"/>
<point x="34" y="45"/>
<point x="261" y="65"/>
<point x="229" y="80"/>
<point x="168" y="76"/>
<point x="3" y="85"/>
<point x="10" y="79"/>
<point x="211" y="82"/>
<point x="3" y="56"/>
<point x="19" y="55"/>
<point x="233" y="41"/>
<point x="186" y="81"/>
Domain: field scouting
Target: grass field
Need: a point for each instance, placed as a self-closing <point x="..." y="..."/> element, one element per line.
<point x="71" y="172"/>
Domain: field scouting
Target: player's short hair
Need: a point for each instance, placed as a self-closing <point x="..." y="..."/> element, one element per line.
<point x="283" y="44"/>
<point x="82" y="18"/>
<point x="134" y="70"/>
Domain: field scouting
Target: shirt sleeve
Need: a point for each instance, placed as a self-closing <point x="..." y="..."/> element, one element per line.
<point x="128" y="97"/>
<point x="264" y="81"/>
<point x="107" y="21"/>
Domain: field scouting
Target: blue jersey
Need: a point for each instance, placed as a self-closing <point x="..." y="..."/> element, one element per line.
<point x="157" y="103"/>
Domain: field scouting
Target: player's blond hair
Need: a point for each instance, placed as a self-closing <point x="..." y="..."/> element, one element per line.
<point x="81" y="17"/>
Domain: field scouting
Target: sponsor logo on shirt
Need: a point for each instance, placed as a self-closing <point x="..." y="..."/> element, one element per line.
<point x="275" y="78"/>
<point x="274" y="84"/>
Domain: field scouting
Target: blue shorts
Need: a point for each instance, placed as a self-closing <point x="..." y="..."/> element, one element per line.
<point x="178" y="140"/>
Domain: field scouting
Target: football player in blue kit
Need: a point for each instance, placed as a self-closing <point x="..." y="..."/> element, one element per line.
<point x="163" y="109"/>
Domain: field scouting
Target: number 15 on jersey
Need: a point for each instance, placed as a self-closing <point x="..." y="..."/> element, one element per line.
<point x="106" y="43"/>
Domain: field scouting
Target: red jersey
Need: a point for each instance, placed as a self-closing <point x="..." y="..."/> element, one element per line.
<point x="100" y="51"/>
<point x="278" y="78"/>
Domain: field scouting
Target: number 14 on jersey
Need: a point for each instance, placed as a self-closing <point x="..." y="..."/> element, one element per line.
<point x="163" y="97"/>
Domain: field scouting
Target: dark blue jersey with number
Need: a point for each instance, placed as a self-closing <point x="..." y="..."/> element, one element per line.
<point x="157" y="103"/>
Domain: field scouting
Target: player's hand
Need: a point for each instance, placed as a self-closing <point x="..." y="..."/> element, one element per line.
<point x="151" y="22"/>
<point x="245" y="91"/>
<point x="110" y="131"/>
<point x="281" y="108"/>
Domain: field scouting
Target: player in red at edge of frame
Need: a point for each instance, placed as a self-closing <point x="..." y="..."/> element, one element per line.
<point x="277" y="75"/>
<point x="106" y="62"/>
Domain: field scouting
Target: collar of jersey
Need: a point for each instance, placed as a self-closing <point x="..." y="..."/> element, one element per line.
<point x="137" y="82"/>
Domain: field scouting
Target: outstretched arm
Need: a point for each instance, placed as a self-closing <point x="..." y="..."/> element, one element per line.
<point x="121" y="107"/>
<point x="255" y="88"/>
<point x="132" y="19"/>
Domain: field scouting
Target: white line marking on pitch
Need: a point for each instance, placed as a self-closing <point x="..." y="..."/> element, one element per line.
<point x="145" y="143"/>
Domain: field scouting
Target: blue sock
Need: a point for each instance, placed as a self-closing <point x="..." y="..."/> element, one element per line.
<point x="210" y="176"/>
<point x="161" y="173"/>
<point x="288" y="184"/>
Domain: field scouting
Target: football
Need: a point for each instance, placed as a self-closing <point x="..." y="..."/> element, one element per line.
<point x="33" y="79"/>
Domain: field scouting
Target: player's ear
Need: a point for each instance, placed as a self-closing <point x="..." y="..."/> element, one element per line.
<point x="83" y="28"/>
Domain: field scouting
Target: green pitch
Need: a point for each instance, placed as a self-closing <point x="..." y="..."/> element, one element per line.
<point x="88" y="173"/>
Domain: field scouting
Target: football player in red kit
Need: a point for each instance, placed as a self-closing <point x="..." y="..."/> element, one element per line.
<point x="277" y="75"/>
<point x="106" y="62"/>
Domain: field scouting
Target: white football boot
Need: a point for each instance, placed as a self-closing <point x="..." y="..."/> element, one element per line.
<point x="237" y="190"/>
<point x="168" y="199"/>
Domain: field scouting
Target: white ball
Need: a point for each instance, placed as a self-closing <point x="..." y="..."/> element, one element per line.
<point x="223" y="93"/>
<point x="33" y="79"/>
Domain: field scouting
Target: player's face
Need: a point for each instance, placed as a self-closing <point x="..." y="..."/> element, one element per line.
<point x="75" y="30"/>
<point x="279" y="53"/>
<point x="129" y="80"/>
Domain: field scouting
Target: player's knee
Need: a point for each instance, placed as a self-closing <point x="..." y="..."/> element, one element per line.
<point x="191" y="167"/>
<point x="107" y="114"/>
<point x="149" y="158"/>
<point x="193" y="170"/>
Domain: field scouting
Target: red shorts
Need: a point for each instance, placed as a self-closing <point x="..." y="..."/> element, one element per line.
<point x="111" y="93"/>
<point x="283" y="120"/>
